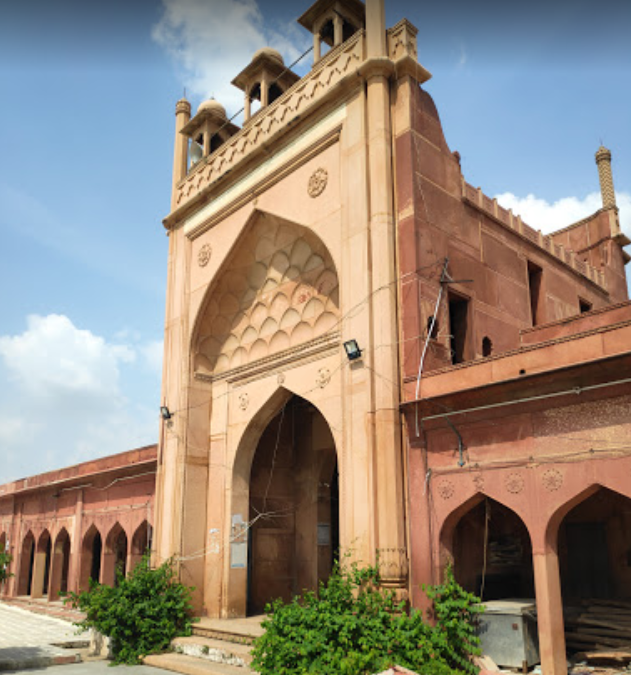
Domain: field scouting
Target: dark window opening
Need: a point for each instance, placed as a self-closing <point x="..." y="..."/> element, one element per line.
<point x="49" y="550"/>
<point x="255" y="92"/>
<point x="432" y="328"/>
<point x="584" y="306"/>
<point x="348" y="31"/>
<point x="95" y="567"/>
<point x="535" y="288"/>
<point x="274" y="92"/>
<point x="487" y="346"/>
<point x="215" y="142"/>
<point x="458" y="327"/>
<point x="327" y="33"/>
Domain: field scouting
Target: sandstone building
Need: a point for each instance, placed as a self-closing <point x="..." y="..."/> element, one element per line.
<point x="365" y="353"/>
<point x="486" y="417"/>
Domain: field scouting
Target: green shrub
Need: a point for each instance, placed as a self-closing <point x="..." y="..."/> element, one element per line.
<point x="353" y="627"/>
<point x="455" y="612"/>
<point x="5" y="561"/>
<point x="141" y="614"/>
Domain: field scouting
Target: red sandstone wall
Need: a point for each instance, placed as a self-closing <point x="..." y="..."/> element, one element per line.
<point x="435" y="222"/>
<point x="107" y="496"/>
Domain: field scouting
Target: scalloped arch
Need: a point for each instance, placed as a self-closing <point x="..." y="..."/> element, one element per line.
<point x="278" y="288"/>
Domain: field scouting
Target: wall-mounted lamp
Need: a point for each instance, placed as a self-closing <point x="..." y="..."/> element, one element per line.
<point x="165" y="412"/>
<point x="352" y="350"/>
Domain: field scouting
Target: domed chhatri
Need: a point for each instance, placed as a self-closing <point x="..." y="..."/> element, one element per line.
<point x="212" y="106"/>
<point x="270" y="53"/>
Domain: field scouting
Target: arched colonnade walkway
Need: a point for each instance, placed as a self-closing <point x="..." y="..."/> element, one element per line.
<point x="45" y="566"/>
<point x="559" y="533"/>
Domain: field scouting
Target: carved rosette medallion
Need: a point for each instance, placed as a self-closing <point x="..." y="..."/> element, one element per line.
<point x="244" y="401"/>
<point x="446" y="489"/>
<point x="478" y="481"/>
<point x="552" y="480"/>
<point x="317" y="182"/>
<point x="203" y="257"/>
<point x="514" y="483"/>
<point x="323" y="378"/>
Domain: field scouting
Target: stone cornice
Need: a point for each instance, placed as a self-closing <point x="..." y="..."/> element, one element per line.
<point x="288" y="358"/>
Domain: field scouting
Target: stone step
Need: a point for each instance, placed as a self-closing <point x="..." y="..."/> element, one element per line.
<point x="240" y="631"/>
<point x="219" y="651"/>
<point x="189" y="665"/>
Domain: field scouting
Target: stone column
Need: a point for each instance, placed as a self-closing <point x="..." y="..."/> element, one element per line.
<point x="247" y="105"/>
<point x="180" y="153"/>
<point x="387" y="460"/>
<point x="549" y="612"/>
<point x="338" y="30"/>
<point x="264" y="91"/>
<point x="316" y="47"/>
<point x="76" y="549"/>
<point x="603" y="161"/>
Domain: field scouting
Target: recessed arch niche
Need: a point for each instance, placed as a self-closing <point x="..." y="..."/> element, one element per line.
<point x="277" y="289"/>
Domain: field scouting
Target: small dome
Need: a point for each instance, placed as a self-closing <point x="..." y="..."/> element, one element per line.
<point x="212" y="106"/>
<point x="271" y="53"/>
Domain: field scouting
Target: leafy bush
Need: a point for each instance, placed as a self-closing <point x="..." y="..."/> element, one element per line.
<point x="5" y="561"/>
<point x="352" y="627"/>
<point x="141" y="614"/>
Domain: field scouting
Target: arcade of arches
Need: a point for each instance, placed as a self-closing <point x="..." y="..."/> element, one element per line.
<point x="72" y="525"/>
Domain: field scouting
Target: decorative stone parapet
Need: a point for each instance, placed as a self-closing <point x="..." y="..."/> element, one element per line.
<point x="476" y="198"/>
<point x="402" y="40"/>
<point x="296" y="101"/>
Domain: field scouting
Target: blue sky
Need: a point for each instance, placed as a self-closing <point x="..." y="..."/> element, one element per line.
<point x="526" y="92"/>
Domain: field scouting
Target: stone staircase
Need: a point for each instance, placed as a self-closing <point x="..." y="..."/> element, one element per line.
<point x="217" y="647"/>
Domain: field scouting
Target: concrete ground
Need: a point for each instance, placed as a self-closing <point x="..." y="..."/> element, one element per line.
<point x="94" y="668"/>
<point x="29" y="640"/>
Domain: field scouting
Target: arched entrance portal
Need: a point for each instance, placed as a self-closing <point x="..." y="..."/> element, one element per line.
<point x="293" y="506"/>
<point x="492" y="553"/>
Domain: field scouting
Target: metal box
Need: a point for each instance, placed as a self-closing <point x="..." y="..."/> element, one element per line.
<point x="508" y="633"/>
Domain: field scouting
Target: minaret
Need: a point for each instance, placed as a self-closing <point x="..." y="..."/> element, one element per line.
<point x="182" y="116"/>
<point x="603" y="161"/>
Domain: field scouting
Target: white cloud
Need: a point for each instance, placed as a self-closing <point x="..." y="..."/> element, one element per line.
<point x="548" y="217"/>
<point x="63" y="400"/>
<point x="213" y="40"/>
<point x="152" y="353"/>
<point x="54" y="356"/>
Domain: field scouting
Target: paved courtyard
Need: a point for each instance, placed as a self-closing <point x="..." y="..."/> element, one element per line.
<point x="29" y="640"/>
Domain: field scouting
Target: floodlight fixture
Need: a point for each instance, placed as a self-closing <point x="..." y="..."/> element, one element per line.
<point x="353" y="352"/>
<point x="165" y="412"/>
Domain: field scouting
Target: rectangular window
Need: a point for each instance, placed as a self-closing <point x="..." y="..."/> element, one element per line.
<point x="458" y="327"/>
<point x="535" y="289"/>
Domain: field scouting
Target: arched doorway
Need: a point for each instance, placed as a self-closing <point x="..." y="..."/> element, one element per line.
<point x="4" y="547"/>
<point x="115" y="558"/>
<point x="594" y="549"/>
<point x="60" y="565"/>
<point x="91" y="551"/>
<point x="140" y="543"/>
<point x="41" y="566"/>
<point x="293" y="532"/>
<point x="27" y="561"/>
<point x="492" y="552"/>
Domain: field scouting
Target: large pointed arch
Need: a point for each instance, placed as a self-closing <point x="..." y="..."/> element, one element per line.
<point x="283" y="483"/>
<point x="60" y="565"/>
<point x="277" y="288"/>
<point x="27" y="559"/>
<point x="91" y="557"/>
<point x="115" y="554"/>
<point x="490" y="547"/>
